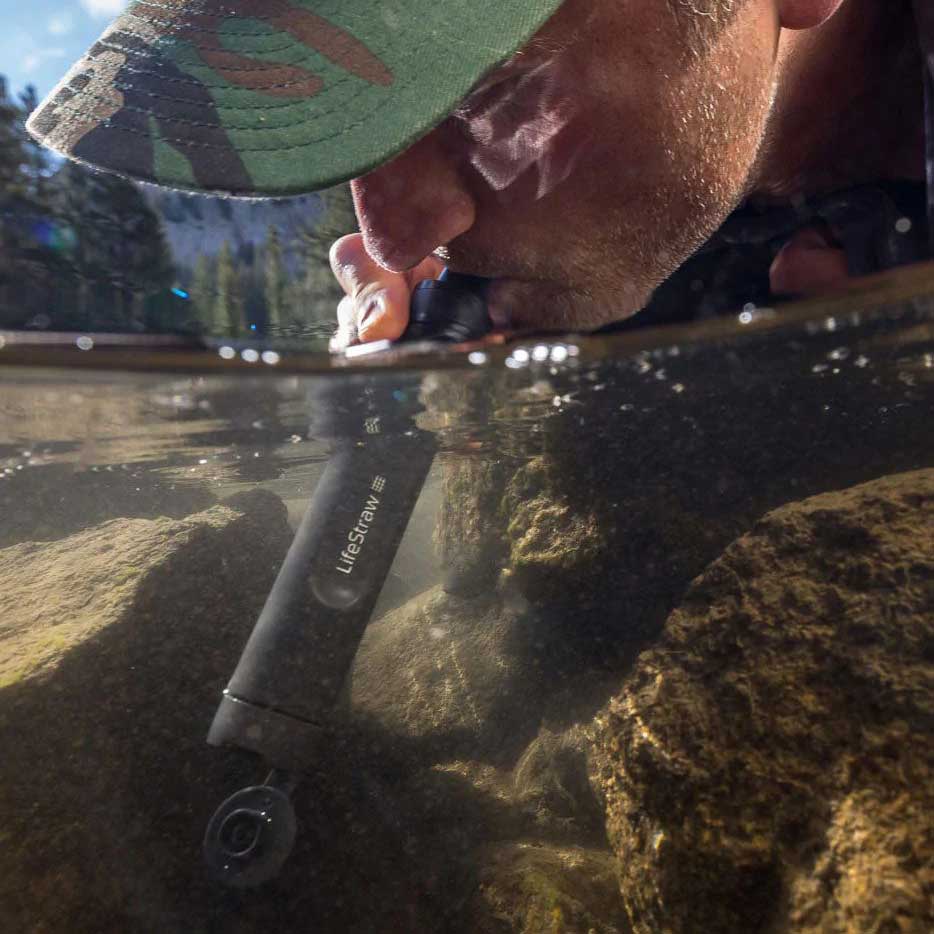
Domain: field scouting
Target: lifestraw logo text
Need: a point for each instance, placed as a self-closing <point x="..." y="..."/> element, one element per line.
<point x="357" y="535"/>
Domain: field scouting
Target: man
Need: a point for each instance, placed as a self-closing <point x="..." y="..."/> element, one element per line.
<point x="578" y="172"/>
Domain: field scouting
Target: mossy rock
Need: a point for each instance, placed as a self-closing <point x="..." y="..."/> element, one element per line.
<point x="535" y="888"/>
<point x="768" y="764"/>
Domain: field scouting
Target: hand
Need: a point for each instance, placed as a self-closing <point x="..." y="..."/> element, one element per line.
<point x="810" y="263"/>
<point x="376" y="304"/>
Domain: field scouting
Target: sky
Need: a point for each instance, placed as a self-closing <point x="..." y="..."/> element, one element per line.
<point x="40" y="39"/>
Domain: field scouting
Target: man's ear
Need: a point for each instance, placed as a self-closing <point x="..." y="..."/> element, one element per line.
<point x="806" y="14"/>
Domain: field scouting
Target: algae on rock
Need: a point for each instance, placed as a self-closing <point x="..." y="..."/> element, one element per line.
<point x="535" y="888"/>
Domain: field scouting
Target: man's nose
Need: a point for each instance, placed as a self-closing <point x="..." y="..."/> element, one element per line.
<point x="413" y="204"/>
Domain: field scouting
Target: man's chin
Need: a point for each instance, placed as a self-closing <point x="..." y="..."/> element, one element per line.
<point x="519" y="301"/>
<point x="534" y="304"/>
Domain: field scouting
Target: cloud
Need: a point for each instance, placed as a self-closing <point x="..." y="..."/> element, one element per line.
<point x="103" y="8"/>
<point x="36" y="57"/>
<point x="60" y="24"/>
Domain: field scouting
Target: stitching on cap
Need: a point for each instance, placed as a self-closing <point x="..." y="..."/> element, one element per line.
<point x="173" y="32"/>
<point x="211" y="87"/>
<point x="258" y="108"/>
<point x="195" y="82"/>
<point x="221" y="124"/>
<point x="214" y="126"/>
<point x="113" y="47"/>
<point x="175" y="26"/>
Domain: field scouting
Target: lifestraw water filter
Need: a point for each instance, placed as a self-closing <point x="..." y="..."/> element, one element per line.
<point x="283" y="692"/>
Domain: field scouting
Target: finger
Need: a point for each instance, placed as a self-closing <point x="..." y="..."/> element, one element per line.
<point x="375" y="322"/>
<point x="346" y="333"/>
<point x="808" y="264"/>
<point x="380" y="298"/>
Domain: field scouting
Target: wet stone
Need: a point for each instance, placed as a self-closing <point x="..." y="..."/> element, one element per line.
<point x="448" y="674"/>
<point x="117" y="641"/>
<point x="768" y="763"/>
<point x="535" y="888"/>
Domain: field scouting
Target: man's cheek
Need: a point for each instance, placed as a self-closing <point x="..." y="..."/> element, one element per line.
<point x="531" y="124"/>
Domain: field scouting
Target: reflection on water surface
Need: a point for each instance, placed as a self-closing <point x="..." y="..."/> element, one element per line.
<point x="651" y="653"/>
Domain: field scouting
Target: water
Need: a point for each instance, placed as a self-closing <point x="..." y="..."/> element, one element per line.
<point x="462" y="778"/>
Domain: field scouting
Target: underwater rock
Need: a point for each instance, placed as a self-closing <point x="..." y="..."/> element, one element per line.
<point x="57" y="595"/>
<point x="534" y="888"/>
<point x="448" y="674"/>
<point x="606" y="560"/>
<point x="475" y="468"/>
<point x="468" y="535"/>
<point x="556" y="551"/>
<point x="530" y="838"/>
<point x="550" y="784"/>
<point x="115" y="644"/>
<point x="469" y="532"/>
<point x="769" y="763"/>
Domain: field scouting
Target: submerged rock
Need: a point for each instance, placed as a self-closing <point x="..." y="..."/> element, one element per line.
<point x="449" y="675"/>
<point x="57" y="595"/>
<point x="469" y="531"/>
<point x="550" y="785"/>
<point x="468" y="536"/>
<point x="116" y="643"/>
<point x="769" y="764"/>
<point x="530" y="888"/>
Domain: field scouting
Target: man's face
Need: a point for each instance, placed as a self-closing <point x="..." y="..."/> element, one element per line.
<point x="586" y="169"/>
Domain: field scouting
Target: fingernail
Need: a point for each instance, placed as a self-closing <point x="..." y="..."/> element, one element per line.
<point x="373" y="310"/>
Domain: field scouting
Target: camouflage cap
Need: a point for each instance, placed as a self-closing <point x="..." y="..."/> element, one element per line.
<point x="274" y="97"/>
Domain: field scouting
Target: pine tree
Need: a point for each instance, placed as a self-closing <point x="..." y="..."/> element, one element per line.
<point x="36" y="163"/>
<point x="34" y="266"/>
<point x="12" y="150"/>
<point x="119" y="255"/>
<point x="318" y="292"/>
<point x="227" y="298"/>
<point x="203" y="289"/>
<point x="274" y="281"/>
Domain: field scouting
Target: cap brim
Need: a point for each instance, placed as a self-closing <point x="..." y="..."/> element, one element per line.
<point x="281" y="97"/>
